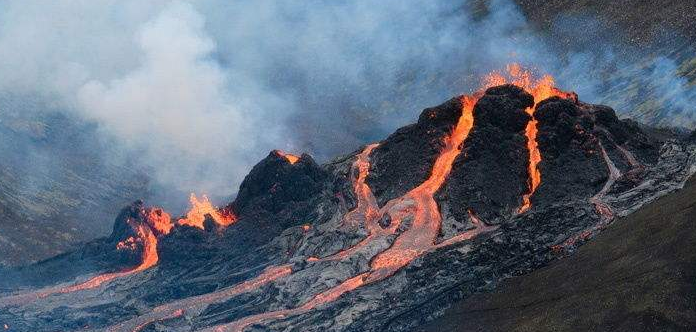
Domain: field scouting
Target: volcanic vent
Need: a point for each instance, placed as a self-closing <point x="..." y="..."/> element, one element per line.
<point x="482" y="187"/>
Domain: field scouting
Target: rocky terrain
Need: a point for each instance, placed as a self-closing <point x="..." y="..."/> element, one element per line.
<point x="636" y="276"/>
<point x="482" y="188"/>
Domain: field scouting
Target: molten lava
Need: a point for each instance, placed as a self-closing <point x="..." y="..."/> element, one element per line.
<point x="195" y="217"/>
<point x="541" y="89"/>
<point x="421" y="236"/>
<point x="291" y="158"/>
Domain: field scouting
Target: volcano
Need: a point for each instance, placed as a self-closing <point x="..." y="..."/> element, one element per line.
<point x="483" y="187"/>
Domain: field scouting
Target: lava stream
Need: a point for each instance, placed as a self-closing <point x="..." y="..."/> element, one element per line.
<point x="479" y="227"/>
<point x="198" y="303"/>
<point x="628" y="156"/>
<point x="150" y="258"/>
<point x="604" y="210"/>
<point x="366" y="211"/>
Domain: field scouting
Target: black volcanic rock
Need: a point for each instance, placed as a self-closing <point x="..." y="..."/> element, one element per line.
<point x="503" y="107"/>
<point x="277" y="194"/>
<point x="275" y="182"/>
<point x="403" y="160"/>
<point x="490" y="175"/>
<point x="629" y="134"/>
<point x="123" y="227"/>
<point x="572" y="165"/>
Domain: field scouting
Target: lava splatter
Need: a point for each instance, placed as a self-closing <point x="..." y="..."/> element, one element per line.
<point x="195" y="217"/>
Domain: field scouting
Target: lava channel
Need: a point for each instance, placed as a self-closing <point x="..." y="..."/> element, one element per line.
<point x="366" y="211"/>
<point x="606" y="213"/>
<point x="540" y="89"/>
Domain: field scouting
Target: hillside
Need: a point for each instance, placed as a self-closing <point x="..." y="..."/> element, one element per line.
<point x="642" y="50"/>
<point x="56" y="188"/>
<point x="636" y="276"/>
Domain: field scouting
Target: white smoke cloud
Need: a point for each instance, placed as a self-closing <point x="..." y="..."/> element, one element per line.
<point x="175" y="106"/>
<point x="202" y="90"/>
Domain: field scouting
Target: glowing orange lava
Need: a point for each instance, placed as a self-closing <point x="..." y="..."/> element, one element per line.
<point x="366" y="211"/>
<point x="291" y="158"/>
<point x="421" y="236"/>
<point x="195" y="217"/>
<point x="418" y="205"/>
<point x="159" y="221"/>
<point x="366" y="202"/>
<point x="541" y="89"/>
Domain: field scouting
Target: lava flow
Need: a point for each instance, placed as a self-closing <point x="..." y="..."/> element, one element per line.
<point x="149" y="259"/>
<point x="157" y="222"/>
<point x="195" y="217"/>
<point x="366" y="211"/>
<point x="422" y="234"/>
<point x="418" y="205"/>
<point x="409" y="245"/>
<point x="540" y="89"/>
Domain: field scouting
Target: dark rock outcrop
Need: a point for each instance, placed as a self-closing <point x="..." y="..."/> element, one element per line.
<point x="572" y="165"/>
<point x="490" y="175"/>
<point x="403" y="160"/>
<point x="276" y="195"/>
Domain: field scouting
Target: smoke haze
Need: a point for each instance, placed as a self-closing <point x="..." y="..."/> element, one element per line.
<point x="199" y="91"/>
